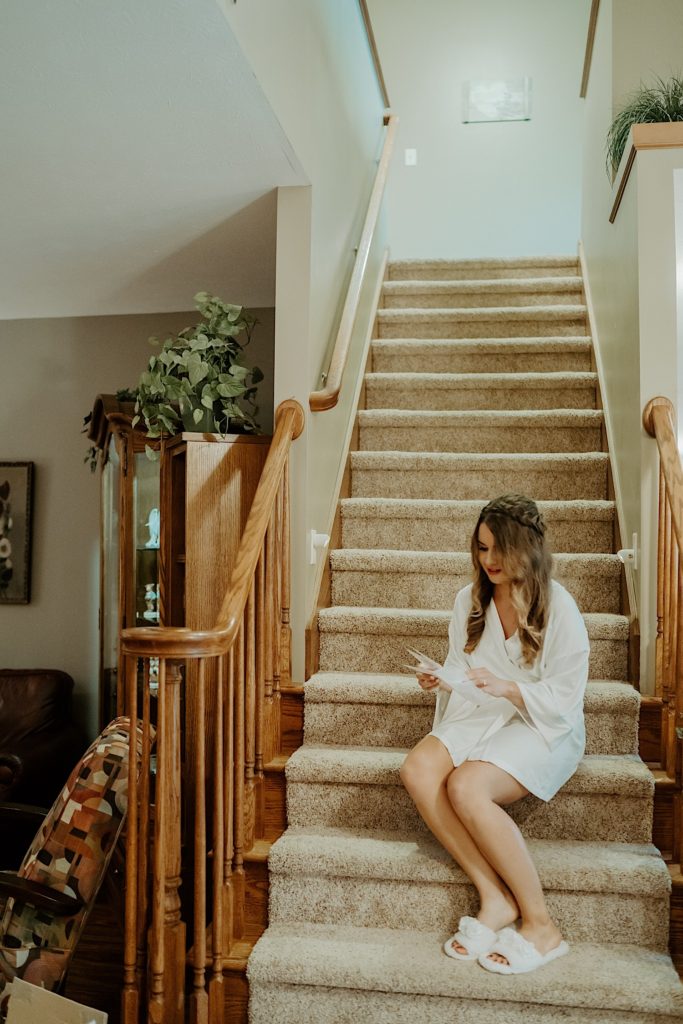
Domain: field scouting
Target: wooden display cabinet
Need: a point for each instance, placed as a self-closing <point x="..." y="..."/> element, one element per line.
<point x="170" y="529"/>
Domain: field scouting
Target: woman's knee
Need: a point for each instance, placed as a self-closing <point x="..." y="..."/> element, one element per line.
<point x="463" y="791"/>
<point x="420" y="774"/>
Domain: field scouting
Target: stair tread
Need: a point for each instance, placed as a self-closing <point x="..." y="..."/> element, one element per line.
<point x="564" y="864"/>
<point x="583" y="510"/>
<point x="624" y="774"/>
<point x="392" y="688"/>
<point x="494" y="261"/>
<point x="470" y="460"/>
<point x="528" y="346"/>
<point x="425" y="561"/>
<point x="418" y="314"/>
<point x="566" y="283"/>
<point x="481" y="417"/>
<point x="628" y="978"/>
<point x="533" y="380"/>
<point x="341" y="618"/>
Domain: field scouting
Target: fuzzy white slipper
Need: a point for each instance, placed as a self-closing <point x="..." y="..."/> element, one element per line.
<point x="477" y="939"/>
<point x="522" y="955"/>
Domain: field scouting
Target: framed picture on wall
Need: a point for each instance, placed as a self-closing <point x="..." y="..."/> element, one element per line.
<point x="496" y="99"/>
<point x="16" y="508"/>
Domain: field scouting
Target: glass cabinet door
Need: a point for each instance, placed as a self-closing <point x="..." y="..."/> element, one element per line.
<point x="110" y="608"/>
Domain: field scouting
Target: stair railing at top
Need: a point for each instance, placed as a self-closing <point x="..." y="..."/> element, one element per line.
<point x="659" y="420"/>
<point x="204" y="803"/>
<point x="328" y="396"/>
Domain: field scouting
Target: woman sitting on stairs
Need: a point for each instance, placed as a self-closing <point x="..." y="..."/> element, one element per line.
<point x="519" y="636"/>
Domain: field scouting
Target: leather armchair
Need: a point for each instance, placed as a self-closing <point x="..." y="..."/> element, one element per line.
<point x="39" y="742"/>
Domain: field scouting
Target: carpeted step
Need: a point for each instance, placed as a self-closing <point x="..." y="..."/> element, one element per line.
<point x="419" y="524"/>
<point x="533" y="291"/>
<point x="494" y="322"/>
<point x="480" y="391"/>
<point x="414" y="430"/>
<point x="381" y="879"/>
<point x="430" y="579"/>
<point x="375" y="639"/>
<point x="493" y="269"/>
<point x="363" y="709"/>
<point x="340" y="974"/>
<point x="481" y="355"/>
<point x="549" y="476"/>
<point x="609" y="798"/>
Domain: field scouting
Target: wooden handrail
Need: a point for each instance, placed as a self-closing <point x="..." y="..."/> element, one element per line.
<point x="664" y="135"/>
<point x="590" y="40"/>
<point x="659" y="421"/>
<point x="327" y="397"/>
<point x="367" y="21"/>
<point x="180" y="642"/>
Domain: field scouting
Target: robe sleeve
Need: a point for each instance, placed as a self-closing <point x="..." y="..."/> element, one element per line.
<point x="553" y="705"/>
<point x="456" y="658"/>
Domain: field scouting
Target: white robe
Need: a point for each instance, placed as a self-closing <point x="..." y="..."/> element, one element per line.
<point x="542" y="744"/>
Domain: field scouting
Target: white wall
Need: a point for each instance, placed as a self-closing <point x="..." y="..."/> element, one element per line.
<point x="498" y="189"/>
<point x="631" y="275"/>
<point x="312" y="60"/>
<point x="51" y="372"/>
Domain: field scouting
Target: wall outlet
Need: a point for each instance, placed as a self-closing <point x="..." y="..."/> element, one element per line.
<point x="410" y="157"/>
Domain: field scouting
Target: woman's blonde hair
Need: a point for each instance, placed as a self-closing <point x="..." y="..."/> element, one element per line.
<point x="519" y="532"/>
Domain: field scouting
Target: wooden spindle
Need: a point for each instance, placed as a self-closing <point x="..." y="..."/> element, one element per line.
<point x="143" y="830"/>
<point x="668" y="556"/>
<point x="259" y="608"/>
<point x="661" y="587"/>
<point x="130" y="996"/>
<point x="157" y="946"/>
<point x="238" y="782"/>
<point x="199" y="1003"/>
<point x="268" y="624"/>
<point x="250" y="720"/>
<point x="216" y="979"/>
<point x="229" y="799"/>
<point x="286" y="646"/>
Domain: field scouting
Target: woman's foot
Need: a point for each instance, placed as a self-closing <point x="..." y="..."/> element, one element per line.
<point x="496" y="912"/>
<point x="545" y="936"/>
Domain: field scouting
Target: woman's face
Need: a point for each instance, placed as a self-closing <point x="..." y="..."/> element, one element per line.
<point x="489" y="558"/>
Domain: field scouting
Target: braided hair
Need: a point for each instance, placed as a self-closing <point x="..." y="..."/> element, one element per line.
<point x="519" y="532"/>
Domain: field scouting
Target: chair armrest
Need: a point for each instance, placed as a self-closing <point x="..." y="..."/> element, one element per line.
<point x="11" y="769"/>
<point x="39" y="895"/>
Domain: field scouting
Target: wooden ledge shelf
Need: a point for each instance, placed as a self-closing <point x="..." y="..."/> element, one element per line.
<point x="668" y="135"/>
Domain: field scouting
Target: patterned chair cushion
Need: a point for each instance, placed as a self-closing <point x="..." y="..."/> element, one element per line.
<point x="70" y="853"/>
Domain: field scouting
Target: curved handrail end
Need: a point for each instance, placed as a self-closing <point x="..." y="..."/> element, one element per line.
<point x="659" y="402"/>
<point x="299" y="419"/>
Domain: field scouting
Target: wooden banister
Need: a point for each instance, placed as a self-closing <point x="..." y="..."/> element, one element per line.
<point x="193" y="820"/>
<point x="327" y="397"/>
<point x="367" y="21"/>
<point x="659" y="421"/>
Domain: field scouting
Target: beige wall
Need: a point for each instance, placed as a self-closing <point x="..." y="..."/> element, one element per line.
<point x="495" y="189"/>
<point x="51" y="372"/>
<point x="312" y="60"/>
<point x="648" y="38"/>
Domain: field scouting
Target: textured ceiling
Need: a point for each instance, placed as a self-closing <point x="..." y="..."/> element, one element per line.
<point x="137" y="161"/>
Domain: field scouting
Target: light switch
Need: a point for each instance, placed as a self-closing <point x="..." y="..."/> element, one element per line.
<point x="410" y="157"/>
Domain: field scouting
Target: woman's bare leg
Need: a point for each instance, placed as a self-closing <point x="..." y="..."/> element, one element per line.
<point x="424" y="774"/>
<point x="478" y="791"/>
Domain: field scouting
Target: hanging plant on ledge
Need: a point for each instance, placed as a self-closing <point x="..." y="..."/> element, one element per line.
<point x="200" y="380"/>
<point x="655" y="104"/>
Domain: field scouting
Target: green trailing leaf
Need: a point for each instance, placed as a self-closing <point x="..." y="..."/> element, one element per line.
<point x="653" y="104"/>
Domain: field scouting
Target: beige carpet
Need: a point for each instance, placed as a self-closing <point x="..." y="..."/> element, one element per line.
<point x="480" y="383"/>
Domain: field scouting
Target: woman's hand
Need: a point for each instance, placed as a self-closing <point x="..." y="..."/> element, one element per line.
<point x="427" y="682"/>
<point x="486" y="681"/>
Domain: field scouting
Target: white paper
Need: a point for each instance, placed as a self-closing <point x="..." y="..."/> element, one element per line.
<point x="450" y="679"/>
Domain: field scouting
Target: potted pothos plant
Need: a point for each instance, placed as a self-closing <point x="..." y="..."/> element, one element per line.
<point x="200" y="379"/>
<point x="653" y="104"/>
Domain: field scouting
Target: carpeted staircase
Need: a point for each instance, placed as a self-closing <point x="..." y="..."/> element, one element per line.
<point x="481" y="383"/>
